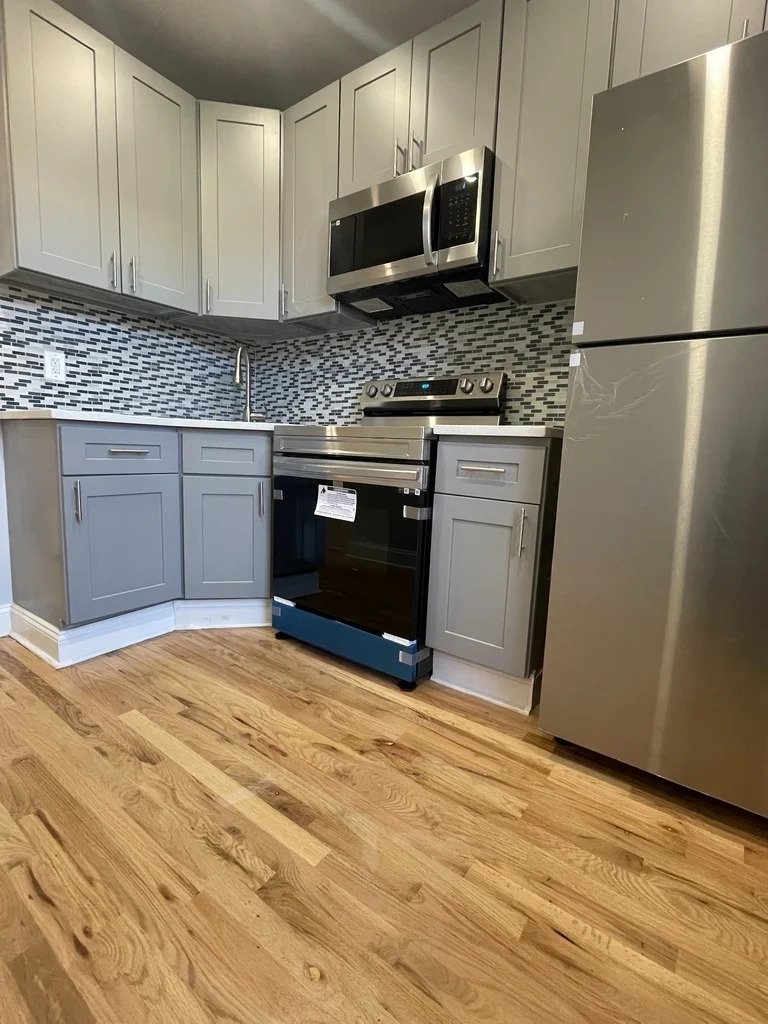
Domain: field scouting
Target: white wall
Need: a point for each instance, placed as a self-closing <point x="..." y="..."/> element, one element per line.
<point x="5" y="556"/>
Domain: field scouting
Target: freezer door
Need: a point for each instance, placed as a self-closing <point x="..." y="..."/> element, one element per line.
<point x="657" y="645"/>
<point x="676" y="221"/>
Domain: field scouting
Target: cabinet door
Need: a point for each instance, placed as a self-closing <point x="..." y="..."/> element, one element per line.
<point x="122" y="540"/>
<point x="227" y="537"/>
<point x="310" y="182"/>
<point x="654" y="34"/>
<point x="454" y="85"/>
<point x="157" y="161"/>
<point x="373" y="142"/>
<point x="556" y="57"/>
<point x="481" y="581"/>
<point x="240" y="210"/>
<point x="61" y="101"/>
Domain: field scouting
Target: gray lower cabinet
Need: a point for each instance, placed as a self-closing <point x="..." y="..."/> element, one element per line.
<point x="227" y="524"/>
<point x="122" y="543"/>
<point x="482" y="580"/>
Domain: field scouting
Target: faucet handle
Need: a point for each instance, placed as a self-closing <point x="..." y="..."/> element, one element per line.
<point x="258" y="416"/>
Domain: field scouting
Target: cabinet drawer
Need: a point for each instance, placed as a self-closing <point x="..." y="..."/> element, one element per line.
<point x="88" y="449"/>
<point x="505" y="471"/>
<point x="226" y="452"/>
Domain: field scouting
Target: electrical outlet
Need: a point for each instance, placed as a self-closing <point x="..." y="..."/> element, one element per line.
<point x="54" y="365"/>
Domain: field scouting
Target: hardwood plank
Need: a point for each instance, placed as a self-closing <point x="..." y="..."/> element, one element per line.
<point x="13" y="1007"/>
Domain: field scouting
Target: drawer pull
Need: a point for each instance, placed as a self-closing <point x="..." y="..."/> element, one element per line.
<point x="129" y="451"/>
<point x="483" y="469"/>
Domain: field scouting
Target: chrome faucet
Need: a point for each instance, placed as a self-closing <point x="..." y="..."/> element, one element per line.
<point x="248" y="414"/>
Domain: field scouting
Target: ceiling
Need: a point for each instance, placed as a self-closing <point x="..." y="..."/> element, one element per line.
<point x="268" y="53"/>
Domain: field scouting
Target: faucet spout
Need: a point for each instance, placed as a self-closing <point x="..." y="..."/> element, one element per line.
<point x="242" y="351"/>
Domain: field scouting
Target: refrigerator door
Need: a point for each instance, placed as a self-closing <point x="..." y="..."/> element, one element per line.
<point x="676" y="220"/>
<point x="657" y="645"/>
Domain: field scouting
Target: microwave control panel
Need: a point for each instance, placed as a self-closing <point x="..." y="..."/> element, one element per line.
<point x="458" y="211"/>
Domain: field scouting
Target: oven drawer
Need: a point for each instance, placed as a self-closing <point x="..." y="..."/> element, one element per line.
<point x="226" y="452"/>
<point x="511" y="472"/>
<point x="92" y="449"/>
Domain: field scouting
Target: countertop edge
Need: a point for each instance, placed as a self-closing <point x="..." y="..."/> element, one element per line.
<point x="502" y="430"/>
<point x="78" y="416"/>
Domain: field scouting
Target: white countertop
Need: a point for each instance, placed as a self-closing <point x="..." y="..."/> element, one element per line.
<point x="503" y="430"/>
<point x="134" y="419"/>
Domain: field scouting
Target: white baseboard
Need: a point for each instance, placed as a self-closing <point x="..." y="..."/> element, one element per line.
<point x="63" y="647"/>
<point x="5" y="619"/>
<point x="223" y="614"/>
<point x="488" y="684"/>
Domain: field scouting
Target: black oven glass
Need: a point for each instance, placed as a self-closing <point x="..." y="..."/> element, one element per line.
<point x="380" y="234"/>
<point x="370" y="573"/>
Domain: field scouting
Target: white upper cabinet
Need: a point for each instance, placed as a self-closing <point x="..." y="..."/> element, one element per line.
<point x="61" y="113"/>
<point x="654" y="34"/>
<point x="454" y="84"/>
<point x="240" y="210"/>
<point x="157" y="159"/>
<point x="375" y="102"/>
<point x="310" y="182"/>
<point x="556" y="57"/>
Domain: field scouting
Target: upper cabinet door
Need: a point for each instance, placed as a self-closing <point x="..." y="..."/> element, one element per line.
<point x="310" y="182"/>
<point x="375" y="100"/>
<point x="240" y="210"/>
<point x="556" y="57"/>
<point x="455" y="83"/>
<point x="157" y="157"/>
<point x="61" y="101"/>
<point x="654" y="34"/>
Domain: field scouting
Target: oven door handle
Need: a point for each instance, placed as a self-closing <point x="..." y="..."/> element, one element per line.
<point x="378" y="474"/>
<point x="430" y="256"/>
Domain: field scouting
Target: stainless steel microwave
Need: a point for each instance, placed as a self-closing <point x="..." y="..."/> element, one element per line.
<point x="418" y="243"/>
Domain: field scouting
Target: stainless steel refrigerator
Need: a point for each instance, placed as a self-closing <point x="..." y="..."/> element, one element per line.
<point x="657" y="646"/>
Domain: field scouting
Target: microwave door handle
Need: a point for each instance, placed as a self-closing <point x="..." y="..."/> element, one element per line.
<point x="430" y="255"/>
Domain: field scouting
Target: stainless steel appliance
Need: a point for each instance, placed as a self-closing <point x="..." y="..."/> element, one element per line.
<point x="657" y="648"/>
<point x="352" y="578"/>
<point x="418" y="243"/>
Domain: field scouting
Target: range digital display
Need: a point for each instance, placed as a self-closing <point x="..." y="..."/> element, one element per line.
<point x="412" y="388"/>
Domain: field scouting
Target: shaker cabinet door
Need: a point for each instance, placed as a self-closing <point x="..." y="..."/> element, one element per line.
<point x="122" y="540"/>
<point x="227" y="537"/>
<point x="61" y="106"/>
<point x="654" y="34"/>
<point x="157" y="159"/>
<point x="481" y="581"/>
<point x="310" y="182"/>
<point x="454" y="84"/>
<point x="373" y="143"/>
<point x="240" y="210"/>
<point x="556" y="57"/>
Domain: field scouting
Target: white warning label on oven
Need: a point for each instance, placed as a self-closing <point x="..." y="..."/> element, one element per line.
<point x="336" y="503"/>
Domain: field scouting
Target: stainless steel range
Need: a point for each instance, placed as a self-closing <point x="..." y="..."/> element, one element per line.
<point x="352" y="523"/>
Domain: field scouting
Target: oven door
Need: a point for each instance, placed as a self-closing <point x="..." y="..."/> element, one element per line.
<point x="370" y="572"/>
<point x="385" y="234"/>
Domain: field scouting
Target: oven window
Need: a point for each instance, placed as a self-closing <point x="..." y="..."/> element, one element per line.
<point x="370" y="573"/>
<point x="381" y="234"/>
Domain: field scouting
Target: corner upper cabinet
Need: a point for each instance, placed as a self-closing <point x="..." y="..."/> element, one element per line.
<point x="556" y="56"/>
<point x="454" y="84"/>
<point x="654" y="34"/>
<point x="375" y="103"/>
<point x="62" y="163"/>
<point x="157" y="162"/>
<point x="240" y="210"/>
<point x="310" y="182"/>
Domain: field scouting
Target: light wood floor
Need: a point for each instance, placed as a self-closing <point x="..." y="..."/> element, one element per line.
<point x="225" y="827"/>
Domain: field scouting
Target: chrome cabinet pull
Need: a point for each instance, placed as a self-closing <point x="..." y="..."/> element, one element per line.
<point x="495" y="261"/>
<point x="745" y="29"/>
<point x="426" y="221"/>
<point x="129" y="451"/>
<point x="395" y="155"/>
<point x="522" y="530"/>
<point x="207" y="295"/>
<point x="113" y="262"/>
<point x="483" y="469"/>
<point x="415" y="144"/>
<point x="78" y="503"/>
<point x="261" y="499"/>
<point x="132" y="265"/>
<point x="283" y="302"/>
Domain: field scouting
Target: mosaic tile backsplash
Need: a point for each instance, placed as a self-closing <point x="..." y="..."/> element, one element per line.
<point x="119" y="362"/>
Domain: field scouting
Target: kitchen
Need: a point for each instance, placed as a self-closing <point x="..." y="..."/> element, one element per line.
<point x="142" y="505"/>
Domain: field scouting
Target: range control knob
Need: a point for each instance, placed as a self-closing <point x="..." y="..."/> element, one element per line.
<point x="466" y="385"/>
<point x="386" y="390"/>
<point x="486" y="385"/>
<point x="371" y="391"/>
